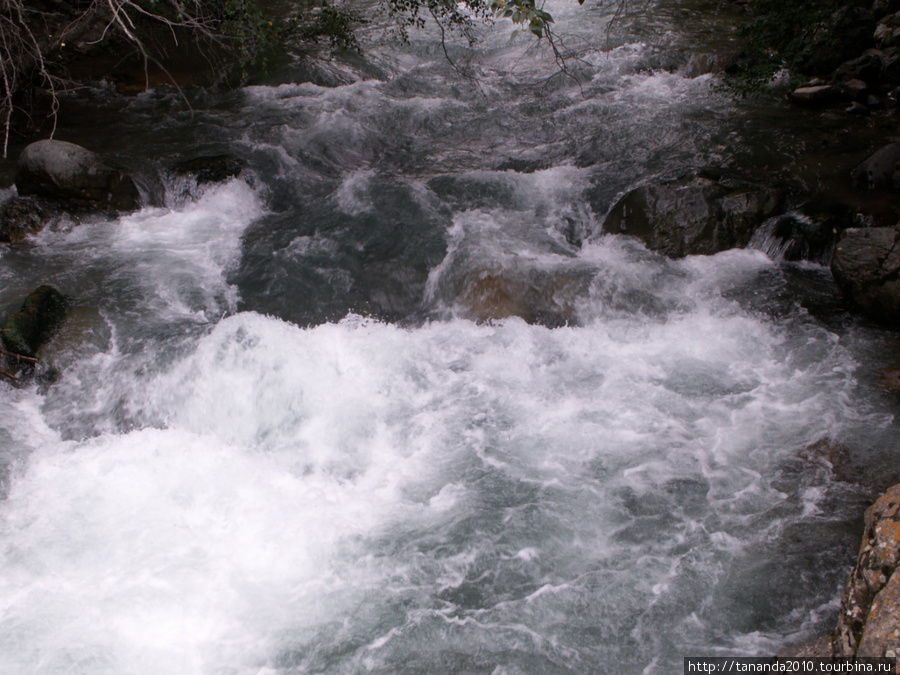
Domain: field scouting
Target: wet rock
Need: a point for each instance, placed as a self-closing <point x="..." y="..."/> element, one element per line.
<point x="832" y="218"/>
<point x="538" y="297"/>
<point x="83" y="333"/>
<point x="889" y="380"/>
<point x="21" y="216"/>
<point x="866" y="267"/>
<point x="870" y="606"/>
<point x="867" y="68"/>
<point x="704" y="64"/>
<point x="75" y="177"/>
<point x="887" y="33"/>
<point x="696" y="215"/>
<point x="855" y="88"/>
<point x="857" y="108"/>
<point x="835" y="456"/>
<point x="881" y="170"/>
<point x="210" y="169"/>
<point x="25" y="331"/>
<point x="822" y="94"/>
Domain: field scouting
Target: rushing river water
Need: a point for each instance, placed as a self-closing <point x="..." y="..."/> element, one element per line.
<point x="286" y="440"/>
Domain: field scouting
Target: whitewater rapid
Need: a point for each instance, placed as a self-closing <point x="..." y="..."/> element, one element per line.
<point x="300" y="425"/>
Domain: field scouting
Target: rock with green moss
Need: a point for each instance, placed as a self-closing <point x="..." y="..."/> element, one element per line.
<point x="41" y="315"/>
<point x="22" y="216"/>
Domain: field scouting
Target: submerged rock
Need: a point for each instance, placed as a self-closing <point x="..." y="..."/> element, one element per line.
<point x="546" y="298"/>
<point x="866" y="267"/>
<point x="889" y="380"/>
<point x="75" y="177"/>
<point x="83" y="333"/>
<point x="696" y="215"/>
<point x="25" y="331"/>
<point x="210" y="169"/>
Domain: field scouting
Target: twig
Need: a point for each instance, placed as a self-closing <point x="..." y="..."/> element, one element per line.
<point x="18" y="357"/>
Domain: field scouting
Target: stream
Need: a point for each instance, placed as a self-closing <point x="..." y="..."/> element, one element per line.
<point x="391" y="402"/>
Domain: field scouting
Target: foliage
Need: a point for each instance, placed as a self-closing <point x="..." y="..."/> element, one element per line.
<point x="780" y="35"/>
<point x="331" y="24"/>
<point x="462" y="16"/>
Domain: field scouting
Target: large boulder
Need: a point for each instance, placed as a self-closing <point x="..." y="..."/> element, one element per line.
<point x="866" y="267"/>
<point x="695" y="215"/>
<point x="42" y="313"/>
<point x="75" y="177"/>
<point x="870" y="607"/>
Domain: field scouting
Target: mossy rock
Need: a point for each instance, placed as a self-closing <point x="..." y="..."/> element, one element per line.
<point x="22" y="216"/>
<point x="41" y="315"/>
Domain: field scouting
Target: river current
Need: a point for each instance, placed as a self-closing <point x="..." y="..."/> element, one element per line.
<point x="390" y="402"/>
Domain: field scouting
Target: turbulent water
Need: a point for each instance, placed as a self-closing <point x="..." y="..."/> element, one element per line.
<point x="389" y="402"/>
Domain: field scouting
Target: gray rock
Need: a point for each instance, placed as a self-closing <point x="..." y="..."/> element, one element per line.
<point x="855" y="88"/>
<point x="868" y="68"/>
<point x="695" y="215"/>
<point x="866" y="267"/>
<point x="75" y="177"/>
<point x="880" y="170"/>
<point x="822" y="94"/>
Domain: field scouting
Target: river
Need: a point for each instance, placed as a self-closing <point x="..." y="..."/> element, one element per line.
<point x="301" y="426"/>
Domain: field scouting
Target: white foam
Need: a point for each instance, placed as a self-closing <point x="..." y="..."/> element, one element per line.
<point x="259" y="514"/>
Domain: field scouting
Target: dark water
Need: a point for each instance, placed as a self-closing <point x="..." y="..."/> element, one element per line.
<point x="389" y="402"/>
